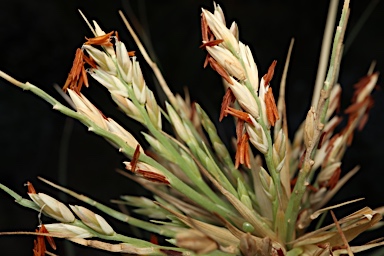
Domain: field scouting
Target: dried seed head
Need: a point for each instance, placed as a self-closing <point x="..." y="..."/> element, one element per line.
<point x="92" y="220"/>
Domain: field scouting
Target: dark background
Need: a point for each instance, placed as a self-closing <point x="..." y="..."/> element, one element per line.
<point x="38" y="40"/>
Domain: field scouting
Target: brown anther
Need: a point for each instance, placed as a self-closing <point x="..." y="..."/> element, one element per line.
<point x="239" y="129"/>
<point x="331" y="141"/>
<point x="153" y="239"/>
<point x="301" y="160"/>
<point x="135" y="158"/>
<point x="239" y="114"/>
<point x="193" y="111"/>
<point x="40" y="248"/>
<point x="355" y="107"/>
<point x="228" y="99"/>
<point x="332" y="182"/>
<point x="211" y="43"/>
<point x="204" y="28"/>
<point x="75" y="77"/>
<point x="312" y="188"/>
<point x="219" y="69"/>
<point x="31" y="189"/>
<point x="359" y="86"/>
<point x="206" y="61"/>
<point x="270" y="105"/>
<point x="242" y="152"/>
<point x="268" y="77"/>
<point x="321" y="140"/>
<point x="104" y="40"/>
<point x="131" y="53"/>
<point x="90" y="61"/>
<point x="84" y="77"/>
<point x="152" y="176"/>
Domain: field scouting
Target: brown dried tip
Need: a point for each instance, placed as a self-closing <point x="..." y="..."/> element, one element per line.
<point x="228" y="99"/>
<point x="359" y="86"/>
<point x="270" y="105"/>
<point x="268" y="77"/>
<point x="219" y="69"/>
<point x="239" y="114"/>
<point x="135" y="158"/>
<point x="40" y="248"/>
<point x="204" y="28"/>
<point x="211" y="43"/>
<point x="332" y="182"/>
<point x="104" y="40"/>
<point x="152" y="176"/>
<point x="31" y="189"/>
<point x="242" y="152"/>
<point x="77" y="76"/>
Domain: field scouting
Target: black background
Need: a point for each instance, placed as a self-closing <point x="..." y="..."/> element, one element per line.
<point x="38" y="40"/>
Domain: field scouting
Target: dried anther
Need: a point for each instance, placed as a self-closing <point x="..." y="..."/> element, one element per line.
<point x="242" y="152"/>
<point x="244" y="116"/>
<point x="77" y="76"/>
<point x="219" y="69"/>
<point x="272" y="113"/>
<point x="144" y="170"/>
<point x="31" y="189"/>
<point x="228" y="99"/>
<point x="332" y="182"/>
<point x="104" y="40"/>
<point x="135" y="158"/>
<point x="211" y="43"/>
<point x="268" y="77"/>
<point x="40" y="248"/>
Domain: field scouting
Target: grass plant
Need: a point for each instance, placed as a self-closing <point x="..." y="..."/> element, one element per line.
<point x="270" y="198"/>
